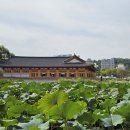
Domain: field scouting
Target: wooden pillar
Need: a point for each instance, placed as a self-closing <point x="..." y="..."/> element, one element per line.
<point x="20" y="72"/>
<point x="39" y="73"/>
<point x="76" y="74"/>
<point x="48" y="73"/>
<point x="29" y="72"/>
<point x="67" y="74"/>
<point x="57" y="73"/>
<point x="86" y="74"/>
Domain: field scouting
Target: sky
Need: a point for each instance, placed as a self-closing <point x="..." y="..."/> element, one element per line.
<point x="93" y="29"/>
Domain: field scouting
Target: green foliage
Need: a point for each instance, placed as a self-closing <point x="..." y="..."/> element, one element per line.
<point x="112" y="120"/>
<point x="120" y="73"/>
<point x="124" y="111"/>
<point x="51" y="100"/>
<point x="86" y="118"/>
<point x="9" y="122"/>
<point x="71" y="109"/>
<point x="64" y="105"/>
<point x="57" y="106"/>
<point x="125" y="61"/>
<point x="34" y="128"/>
<point x="4" y="53"/>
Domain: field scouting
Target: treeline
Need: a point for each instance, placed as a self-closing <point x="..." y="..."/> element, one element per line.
<point x="4" y="53"/>
<point x="116" y="72"/>
<point x="125" y="61"/>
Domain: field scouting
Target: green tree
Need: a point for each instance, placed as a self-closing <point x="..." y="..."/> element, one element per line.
<point x="121" y="73"/>
<point x="5" y="53"/>
<point x="104" y="72"/>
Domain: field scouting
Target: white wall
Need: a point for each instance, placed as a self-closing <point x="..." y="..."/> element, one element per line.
<point x="6" y="75"/>
<point x="16" y="75"/>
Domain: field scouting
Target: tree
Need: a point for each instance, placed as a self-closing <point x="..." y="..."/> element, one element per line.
<point x="5" y="53"/>
<point x="103" y="72"/>
<point x="120" y="73"/>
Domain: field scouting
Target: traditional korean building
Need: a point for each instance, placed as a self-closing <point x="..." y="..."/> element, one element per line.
<point x="47" y="67"/>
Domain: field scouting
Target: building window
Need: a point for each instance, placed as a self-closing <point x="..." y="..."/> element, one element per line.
<point x="43" y="74"/>
<point x="82" y="75"/>
<point x="7" y="71"/>
<point x="25" y="71"/>
<point x="89" y="75"/>
<point x="16" y="70"/>
<point x="62" y="75"/>
<point x="52" y="75"/>
<point x="34" y="74"/>
<point x="72" y="75"/>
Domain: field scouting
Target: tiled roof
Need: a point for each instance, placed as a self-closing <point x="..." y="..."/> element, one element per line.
<point x="21" y="61"/>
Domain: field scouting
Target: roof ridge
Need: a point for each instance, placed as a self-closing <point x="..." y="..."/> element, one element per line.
<point x="40" y="56"/>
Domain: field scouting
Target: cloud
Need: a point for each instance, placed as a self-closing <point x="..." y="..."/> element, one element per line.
<point x="95" y="29"/>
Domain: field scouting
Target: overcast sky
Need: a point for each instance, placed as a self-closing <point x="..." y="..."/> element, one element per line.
<point x="90" y="28"/>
